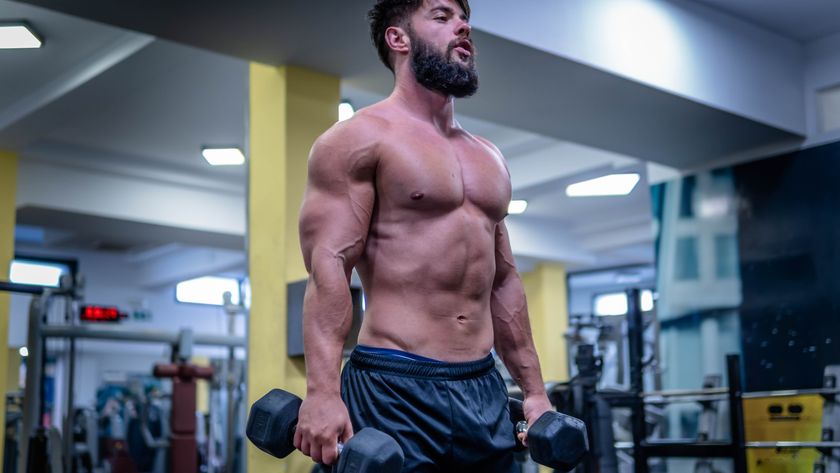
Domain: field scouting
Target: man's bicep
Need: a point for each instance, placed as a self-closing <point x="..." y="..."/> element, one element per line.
<point x="505" y="264"/>
<point x="337" y="207"/>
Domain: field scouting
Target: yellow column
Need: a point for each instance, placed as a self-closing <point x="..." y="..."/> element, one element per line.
<point x="8" y="184"/>
<point x="548" y="308"/>
<point x="289" y="108"/>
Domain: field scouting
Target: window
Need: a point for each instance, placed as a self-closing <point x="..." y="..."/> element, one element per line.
<point x="615" y="303"/>
<point x="828" y="102"/>
<point x="611" y="304"/>
<point x="726" y="256"/>
<point x="208" y="290"/>
<point x="686" y="266"/>
<point x="36" y="271"/>
<point x="689" y="186"/>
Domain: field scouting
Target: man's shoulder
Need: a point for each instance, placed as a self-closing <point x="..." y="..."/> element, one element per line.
<point x="362" y="130"/>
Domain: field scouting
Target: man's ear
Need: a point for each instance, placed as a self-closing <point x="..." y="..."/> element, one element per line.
<point x="397" y="39"/>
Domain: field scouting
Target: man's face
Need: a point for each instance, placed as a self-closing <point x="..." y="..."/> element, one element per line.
<point x="442" y="52"/>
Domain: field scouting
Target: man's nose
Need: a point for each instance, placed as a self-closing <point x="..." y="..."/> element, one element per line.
<point x="464" y="29"/>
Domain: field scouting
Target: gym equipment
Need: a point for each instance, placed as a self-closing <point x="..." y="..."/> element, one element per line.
<point x="645" y="448"/>
<point x="830" y="463"/>
<point x="271" y="428"/>
<point x="555" y="440"/>
<point x="40" y="447"/>
<point x="182" y="443"/>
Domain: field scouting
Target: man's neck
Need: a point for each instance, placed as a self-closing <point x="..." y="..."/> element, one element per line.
<point x="425" y="104"/>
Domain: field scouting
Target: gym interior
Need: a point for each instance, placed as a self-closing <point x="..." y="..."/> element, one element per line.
<point x="674" y="166"/>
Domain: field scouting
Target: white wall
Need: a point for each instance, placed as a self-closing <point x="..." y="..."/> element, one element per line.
<point x="679" y="46"/>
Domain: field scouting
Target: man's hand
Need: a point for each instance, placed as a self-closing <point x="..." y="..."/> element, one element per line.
<point x="323" y="421"/>
<point x="534" y="407"/>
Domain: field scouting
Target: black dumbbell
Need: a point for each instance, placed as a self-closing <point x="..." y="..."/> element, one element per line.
<point x="271" y="427"/>
<point x="555" y="440"/>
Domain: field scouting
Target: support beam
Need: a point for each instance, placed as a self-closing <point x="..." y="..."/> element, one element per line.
<point x="122" y="48"/>
<point x="290" y="107"/>
<point x="8" y="182"/>
<point x="124" y="197"/>
<point x="188" y="263"/>
<point x="545" y="240"/>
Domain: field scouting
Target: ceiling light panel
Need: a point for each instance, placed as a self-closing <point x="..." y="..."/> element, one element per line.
<point x="345" y="111"/>
<point x="614" y="184"/>
<point x="18" y="37"/>
<point x="223" y="156"/>
<point x="517" y="207"/>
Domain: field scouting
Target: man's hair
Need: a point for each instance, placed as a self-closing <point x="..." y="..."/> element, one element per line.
<point x="388" y="13"/>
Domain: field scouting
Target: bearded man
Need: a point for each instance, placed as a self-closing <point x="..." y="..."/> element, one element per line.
<point x="416" y="204"/>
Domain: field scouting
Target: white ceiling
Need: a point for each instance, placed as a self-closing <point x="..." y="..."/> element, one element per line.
<point x="802" y="20"/>
<point x="156" y="103"/>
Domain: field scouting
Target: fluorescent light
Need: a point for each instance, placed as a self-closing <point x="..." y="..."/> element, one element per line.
<point x="614" y="184"/>
<point x="40" y="274"/>
<point x="345" y="110"/>
<point x="516" y="207"/>
<point x="18" y="37"/>
<point x="223" y="156"/>
<point x="207" y="290"/>
<point x="24" y="352"/>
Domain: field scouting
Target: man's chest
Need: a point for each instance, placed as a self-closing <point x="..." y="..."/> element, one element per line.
<point x="426" y="172"/>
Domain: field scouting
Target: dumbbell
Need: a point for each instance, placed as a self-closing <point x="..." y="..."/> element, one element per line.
<point x="271" y="428"/>
<point x="555" y="440"/>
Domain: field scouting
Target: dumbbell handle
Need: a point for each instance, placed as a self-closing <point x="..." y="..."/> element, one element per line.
<point x="521" y="427"/>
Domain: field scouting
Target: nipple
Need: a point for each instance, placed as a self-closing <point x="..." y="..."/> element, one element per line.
<point x="417" y="196"/>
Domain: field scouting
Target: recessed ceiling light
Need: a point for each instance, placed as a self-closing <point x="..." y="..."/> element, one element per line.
<point x="517" y="207"/>
<point x="614" y="184"/>
<point x="345" y="110"/>
<point x="18" y="37"/>
<point x="223" y="156"/>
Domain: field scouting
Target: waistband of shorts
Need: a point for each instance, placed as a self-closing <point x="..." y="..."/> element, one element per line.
<point x="422" y="369"/>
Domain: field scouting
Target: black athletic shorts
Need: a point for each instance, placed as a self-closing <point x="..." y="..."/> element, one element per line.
<point x="447" y="417"/>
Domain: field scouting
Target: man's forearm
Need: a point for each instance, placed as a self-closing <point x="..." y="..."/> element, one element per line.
<point x="327" y="317"/>
<point x="512" y="332"/>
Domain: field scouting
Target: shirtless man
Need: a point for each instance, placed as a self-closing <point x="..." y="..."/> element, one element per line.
<point x="416" y="204"/>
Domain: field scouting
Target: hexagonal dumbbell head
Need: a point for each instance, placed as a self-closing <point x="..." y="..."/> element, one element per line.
<point x="272" y="421"/>
<point x="558" y="441"/>
<point x="370" y="451"/>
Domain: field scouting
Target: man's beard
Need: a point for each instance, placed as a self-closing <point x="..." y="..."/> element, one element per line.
<point x="438" y="72"/>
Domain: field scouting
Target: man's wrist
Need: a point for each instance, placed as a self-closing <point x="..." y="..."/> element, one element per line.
<point x="323" y="390"/>
<point x="535" y="390"/>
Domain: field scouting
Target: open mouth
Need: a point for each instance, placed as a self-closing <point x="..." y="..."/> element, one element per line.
<point x="464" y="49"/>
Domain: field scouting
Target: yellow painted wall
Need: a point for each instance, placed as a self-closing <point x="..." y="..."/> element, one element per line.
<point x="8" y="185"/>
<point x="13" y="370"/>
<point x="548" y="307"/>
<point x="202" y="387"/>
<point x="289" y="108"/>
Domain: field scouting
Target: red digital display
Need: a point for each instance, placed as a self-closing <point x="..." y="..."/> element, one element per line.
<point x="95" y="313"/>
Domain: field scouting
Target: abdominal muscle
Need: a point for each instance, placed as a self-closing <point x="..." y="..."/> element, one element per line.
<point x="427" y="288"/>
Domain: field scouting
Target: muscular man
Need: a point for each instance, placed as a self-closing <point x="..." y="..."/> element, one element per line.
<point x="416" y="204"/>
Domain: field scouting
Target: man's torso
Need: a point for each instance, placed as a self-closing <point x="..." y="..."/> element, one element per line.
<point x="429" y="259"/>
